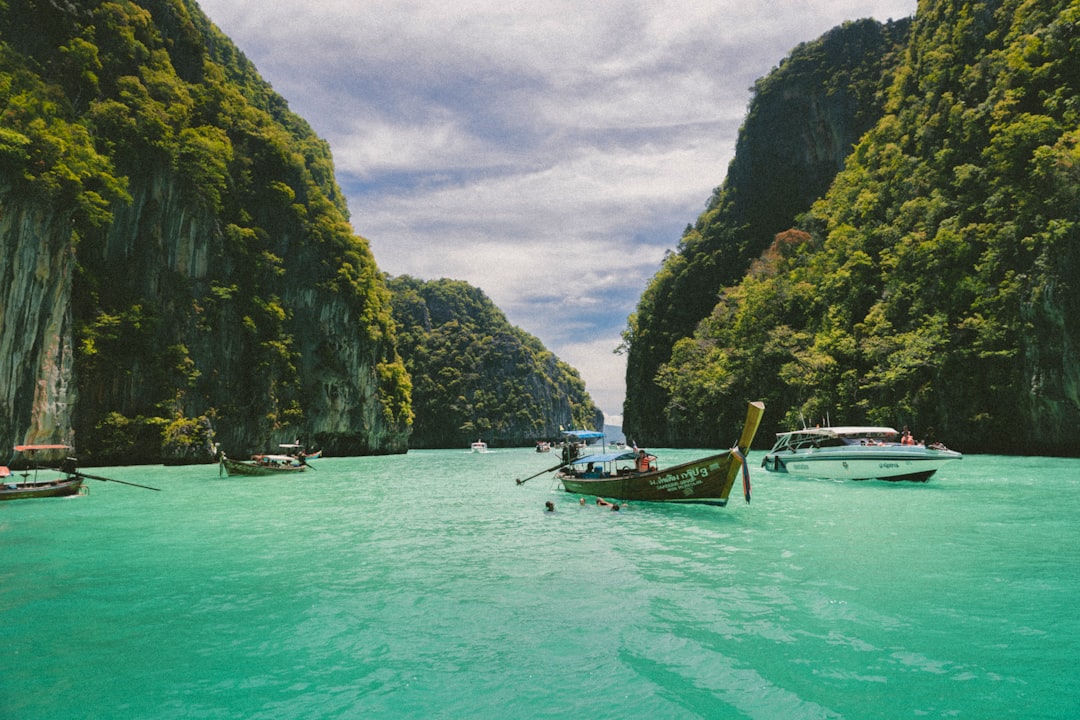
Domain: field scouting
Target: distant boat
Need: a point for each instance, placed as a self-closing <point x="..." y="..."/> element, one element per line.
<point x="66" y="480"/>
<point x="479" y="447"/>
<point x="543" y="446"/>
<point x="297" y="450"/>
<point x="261" y="465"/>
<point x="855" y="452"/>
<point x="634" y="475"/>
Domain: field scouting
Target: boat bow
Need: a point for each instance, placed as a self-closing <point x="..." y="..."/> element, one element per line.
<point x="754" y="412"/>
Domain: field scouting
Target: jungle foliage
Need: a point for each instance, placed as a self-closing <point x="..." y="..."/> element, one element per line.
<point x="936" y="282"/>
<point x="802" y="122"/>
<point x="476" y="376"/>
<point x="200" y="208"/>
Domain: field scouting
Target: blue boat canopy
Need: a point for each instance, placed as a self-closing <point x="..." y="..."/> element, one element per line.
<point x="583" y="434"/>
<point x="605" y="457"/>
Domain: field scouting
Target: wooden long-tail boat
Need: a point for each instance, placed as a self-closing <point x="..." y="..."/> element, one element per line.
<point x="67" y="482"/>
<point x="57" y="487"/>
<point x="261" y="465"/>
<point x="633" y="475"/>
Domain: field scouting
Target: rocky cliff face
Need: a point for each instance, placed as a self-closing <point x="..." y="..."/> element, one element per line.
<point x="175" y="253"/>
<point x="308" y="368"/>
<point x="37" y="392"/>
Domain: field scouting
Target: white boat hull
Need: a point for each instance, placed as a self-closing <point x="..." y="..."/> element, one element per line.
<point x="913" y="463"/>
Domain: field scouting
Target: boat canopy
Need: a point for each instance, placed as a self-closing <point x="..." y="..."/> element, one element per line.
<point x="604" y="457"/>
<point x="25" y="448"/>
<point x="584" y="434"/>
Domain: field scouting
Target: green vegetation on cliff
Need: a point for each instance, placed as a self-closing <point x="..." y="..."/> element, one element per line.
<point x="475" y="376"/>
<point x="217" y="276"/>
<point x="803" y="121"/>
<point x="937" y="283"/>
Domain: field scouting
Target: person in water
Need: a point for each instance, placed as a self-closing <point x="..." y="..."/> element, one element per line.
<point x="549" y="506"/>
<point x="604" y="503"/>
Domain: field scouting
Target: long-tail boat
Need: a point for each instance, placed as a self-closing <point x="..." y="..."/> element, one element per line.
<point x="633" y="474"/>
<point x="261" y="465"/>
<point x="66" y="481"/>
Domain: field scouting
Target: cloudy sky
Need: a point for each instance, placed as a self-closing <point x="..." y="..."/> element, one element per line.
<point x="549" y="152"/>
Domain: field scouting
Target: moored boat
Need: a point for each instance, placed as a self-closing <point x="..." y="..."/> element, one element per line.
<point x="261" y="465"/>
<point x="855" y="452"/>
<point x="634" y="475"/>
<point x="297" y="450"/>
<point x="66" y="481"/>
<point x="26" y="489"/>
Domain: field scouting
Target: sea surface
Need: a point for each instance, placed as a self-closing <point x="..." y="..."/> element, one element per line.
<point x="430" y="585"/>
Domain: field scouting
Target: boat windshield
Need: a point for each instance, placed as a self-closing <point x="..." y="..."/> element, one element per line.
<point x="835" y="437"/>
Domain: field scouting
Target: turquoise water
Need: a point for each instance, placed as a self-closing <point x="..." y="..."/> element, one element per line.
<point x="431" y="586"/>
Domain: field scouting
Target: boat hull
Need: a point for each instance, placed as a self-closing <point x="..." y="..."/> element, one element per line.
<point x="707" y="481"/>
<point x="899" y="463"/>
<point x="24" y="491"/>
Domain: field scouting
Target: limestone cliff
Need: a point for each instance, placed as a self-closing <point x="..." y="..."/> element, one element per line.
<point x="935" y="283"/>
<point x="176" y="255"/>
<point x="37" y="390"/>
<point x="804" y="119"/>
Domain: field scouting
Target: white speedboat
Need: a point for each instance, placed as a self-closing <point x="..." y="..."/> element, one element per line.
<point x="855" y="453"/>
<point x="479" y="447"/>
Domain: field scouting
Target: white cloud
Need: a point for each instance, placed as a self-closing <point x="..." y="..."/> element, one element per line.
<point x="370" y="147"/>
<point x="548" y="153"/>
